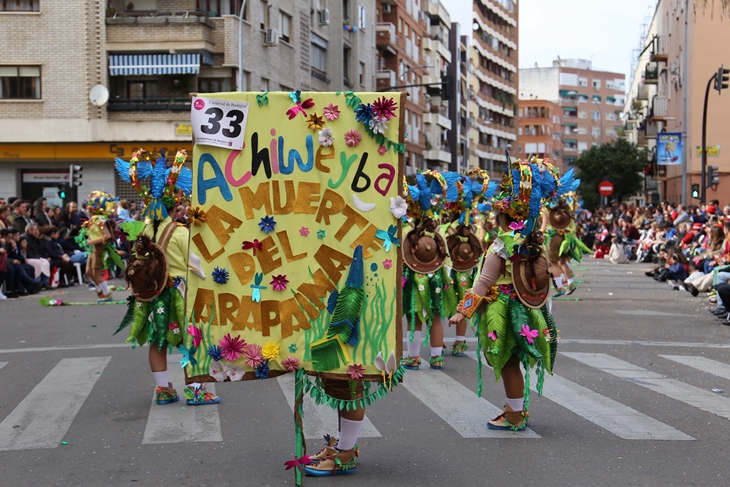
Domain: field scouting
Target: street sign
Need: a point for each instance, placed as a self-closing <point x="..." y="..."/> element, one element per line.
<point x="605" y="188"/>
<point x="712" y="151"/>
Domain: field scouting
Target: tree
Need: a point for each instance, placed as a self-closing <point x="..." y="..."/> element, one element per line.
<point x="620" y="162"/>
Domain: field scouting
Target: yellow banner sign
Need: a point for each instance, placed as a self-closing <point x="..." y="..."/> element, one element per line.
<point x="712" y="151"/>
<point x="298" y="242"/>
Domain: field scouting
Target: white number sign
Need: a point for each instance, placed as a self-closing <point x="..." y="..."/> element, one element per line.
<point x="220" y="123"/>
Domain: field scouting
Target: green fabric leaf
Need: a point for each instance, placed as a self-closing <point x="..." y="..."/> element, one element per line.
<point x="141" y="313"/>
<point x="518" y="316"/>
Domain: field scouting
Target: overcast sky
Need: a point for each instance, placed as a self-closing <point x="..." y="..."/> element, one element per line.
<point x="600" y="31"/>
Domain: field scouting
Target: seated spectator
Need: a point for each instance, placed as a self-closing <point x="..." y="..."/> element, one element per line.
<point x="5" y="216"/>
<point x="23" y="282"/>
<point x="19" y="216"/>
<point x="52" y="248"/>
<point x="41" y="216"/>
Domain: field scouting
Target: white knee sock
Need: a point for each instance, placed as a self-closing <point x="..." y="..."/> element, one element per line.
<point x="559" y="281"/>
<point x="160" y="378"/>
<point x="414" y="347"/>
<point x="436" y="351"/>
<point x="104" y="288"/>
<point x="349" y="431"/>
<point x="570" y="281"/>
<point x="460" y="338"/>
<point x="516" y="404"/>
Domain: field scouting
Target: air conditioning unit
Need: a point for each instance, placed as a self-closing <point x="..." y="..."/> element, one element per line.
<point x="387" y="8"/>
<point x="324" y="16"/>
<point x="272" y="37"/>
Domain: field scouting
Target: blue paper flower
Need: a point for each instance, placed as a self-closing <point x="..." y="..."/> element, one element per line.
<point x="188" y="356"/>
<point x="364" y="113"/>
<point x="215" y="352"/>
<point x="293" y="348"/>
<point x="220" y="275"/>
<point x="320" y="234"/>
<point x="262" y="371"/>
<point x="267" y="224"/>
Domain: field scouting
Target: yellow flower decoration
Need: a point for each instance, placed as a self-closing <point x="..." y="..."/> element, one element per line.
<point x="196" y="215"/>
<point x="270" y="350"/>
<point x="315" y="122"/>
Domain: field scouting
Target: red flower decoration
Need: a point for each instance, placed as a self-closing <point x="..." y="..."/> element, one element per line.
<point x="255" y="245"/>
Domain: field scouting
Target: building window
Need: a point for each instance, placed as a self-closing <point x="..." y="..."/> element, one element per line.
<point x="582" y="114"/>
<point x="214" y="8"/>
<point x="345" y="10"/>
<point x="595" y="132"/>
<point x="597" y="84"/>
<point x="582" y="81"/>
<point x="20" y="82"/>
<point x="214" y="85"/>
<point x="318" y="58"/>
<point x="595" y="116"/>
<point x="346" y="67"/>
<point x="284" y="26"/>
<point x="361" y="74"/>
<point x="519" y="131"/>
<point x="361" y="17"/>
<point x="141" y="89"/>
<point x="19" y="5"/>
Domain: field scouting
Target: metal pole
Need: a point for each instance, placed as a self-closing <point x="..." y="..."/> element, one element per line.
<point x="600" y="112"/>
<point x="703" y="185"/>
<point x="685" y="147"/>
<point x="240" y="45"/>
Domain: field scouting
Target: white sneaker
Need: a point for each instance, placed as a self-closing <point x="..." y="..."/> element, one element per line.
<point x="2" y="296"/>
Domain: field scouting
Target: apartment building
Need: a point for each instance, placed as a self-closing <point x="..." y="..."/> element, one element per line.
<point x="591" y="100"/>
<point x="669" y="70"/>
<point x="494" y="78"/>
<point x="458" y="70"/>
<point x="540" y="131"/>
<point x="149" y="54"/>
<point x="401" y="30"/>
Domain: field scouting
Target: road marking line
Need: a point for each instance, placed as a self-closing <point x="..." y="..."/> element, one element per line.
<point x="42" y="419"/>
<point x="457" y="405"/>
<point x="619" y="419"/>
<point x="680" y="391"/>
<point x="170" y="423"/>
<point x="319" y="420"/>
<point x="65" y="348"/>
<point x="718" y="369"/>
<point x="3" y="364"/>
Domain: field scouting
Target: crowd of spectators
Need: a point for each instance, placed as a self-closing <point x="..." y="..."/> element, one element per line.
<point x="38" y="247"/>
<point x="687" y="247"/>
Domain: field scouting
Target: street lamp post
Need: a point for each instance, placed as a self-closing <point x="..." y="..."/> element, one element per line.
<point x="600" y="112"/>
<point x="240" y="45"/>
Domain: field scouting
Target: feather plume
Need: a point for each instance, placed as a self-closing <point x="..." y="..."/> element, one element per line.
<point x="452" y="190"/>
<point x="157" y="185"/>
<point x="184" y="180"/>
<point x="424" y="199"/>
<point x="123" y="170"/>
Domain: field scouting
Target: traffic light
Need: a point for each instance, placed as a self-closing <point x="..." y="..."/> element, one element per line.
<point x="74" y="175"/>
<point x="721" y="79"/>
<point x="713" y="177"/>
<point x="696" y="191"/>
<point x="447" y="87"/>
<point x="62" y="193"/>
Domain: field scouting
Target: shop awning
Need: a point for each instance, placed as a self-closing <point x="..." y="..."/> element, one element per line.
<point x="568" y="93"/>
<point x="611" y="99"/>
<point x="129" y="64"/>
<point x="597" y="97"/>
<point x="570" y="109"/>
<point x="570" y="124"/>
<point x="570" y="141"/>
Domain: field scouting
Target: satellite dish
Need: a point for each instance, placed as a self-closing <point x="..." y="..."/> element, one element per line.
<point x="99" y="95"/>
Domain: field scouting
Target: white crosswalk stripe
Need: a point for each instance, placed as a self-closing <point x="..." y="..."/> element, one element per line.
<point x="702" y="363"/>
<point x="178" y="423"/>
<point x="322" y="419"/>
<point x="44" y="416"/>
<point x="3" y="364"/>
<point x="681" y="391"/>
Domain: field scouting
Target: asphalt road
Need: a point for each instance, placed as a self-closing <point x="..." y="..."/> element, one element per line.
<point x="631" y="404"/>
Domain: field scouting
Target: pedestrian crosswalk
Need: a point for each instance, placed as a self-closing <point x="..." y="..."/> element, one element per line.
<point x="43" y="417"/>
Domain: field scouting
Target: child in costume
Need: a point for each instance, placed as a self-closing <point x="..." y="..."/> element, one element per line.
<point x="424" y="274"/>
<point x="97" y="235"/>
<point x="158" y="268"/>
<point x="515" y="327"/>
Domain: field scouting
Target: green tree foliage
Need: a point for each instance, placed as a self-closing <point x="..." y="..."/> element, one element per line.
<point x="620" y="162"/>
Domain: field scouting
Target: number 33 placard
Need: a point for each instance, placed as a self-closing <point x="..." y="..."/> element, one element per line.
<point x="220" y="123"/>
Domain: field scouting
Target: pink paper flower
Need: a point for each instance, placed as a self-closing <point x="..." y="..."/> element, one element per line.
<point x="492" y="335"/>
<point x="194" y="332"/>
<point x="355" y="371"/>
<point x="253" y="356"/>
<point x="304" y="231"/>
<point x="530" y="335"/>
<point x="290" y="363"/>
<point x="382" y="150"/>
<point x="517" y="225"/>
<point x="384" y="108"/>
<point x="352" y="138"/>
<point x="387" y="264"/>
<point x="279" y="282"/>
<point x="331" y="112"/>
<point x="232" y="348"/>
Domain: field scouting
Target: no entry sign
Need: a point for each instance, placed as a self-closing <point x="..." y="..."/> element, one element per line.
<point x="605" y="188"/>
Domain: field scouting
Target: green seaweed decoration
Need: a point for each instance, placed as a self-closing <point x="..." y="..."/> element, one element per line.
<point x="345" y="307"/>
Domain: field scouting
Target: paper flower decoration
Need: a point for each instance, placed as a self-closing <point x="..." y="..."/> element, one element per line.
<point x="279" y="282"/>
<point x="194" y="332"/>
<point x="355" y="371"/>
<point x="270" y="351"/>
<point x="257" y="287"/>
<point x="267" y="224"/>
<point x="290" y="363"/>
<point x="262" y="371"/>
<point x="315" y="122"/>
<point x="174" y="327"/>
<point x="298" y="463"/>
<point x="196" y="216"/>
<point x="398" y="207"/>
<point x="364" y="113"/>
<point x="331" y="112"/>
<point x="262" y="99"/>
<point x="492" y="335"/>
<point x="378" y="126"/>
<point x="215" y="352"/>
<point x="388" y="237"/>
<point x="216" y="371"/>
<point x="353" y="138"/>
<point x="188" y="356"/>
<point x="304" y="231"/>
<point x="382" y="150"/>
<point x="384" y="108"/>
<point x="234" y="372"/>
<point x="320" y="234"/>
<point x="220" y="275"/>
<point x="325" y="137"/>
<point x="387" y="264"/>
<point x="252" y="354"/>
<point x="529" y="335"/>
<point x="293" y="348"/>
<point x="300" y="105"/>
<point x="516" y="227"/>
<point x="232" y="348"/>
<point x="255" y="245"/>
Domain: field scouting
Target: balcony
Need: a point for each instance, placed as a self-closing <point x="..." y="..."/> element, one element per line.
<point x="437" y="119"/>
<point x="659" y="51"/>
<point x="149" y="105"/>
<point x="659" y="108"/>
<point x="651" y="130"/>
<point x="438" y="154"/>
<point x="651" y="74"/>
<point x="435" y="9"/>
<point x="385" y="78"/>
<point x="643" y="92"/>
<point x="386" y="38"/>
<point x="159" y="32"/>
